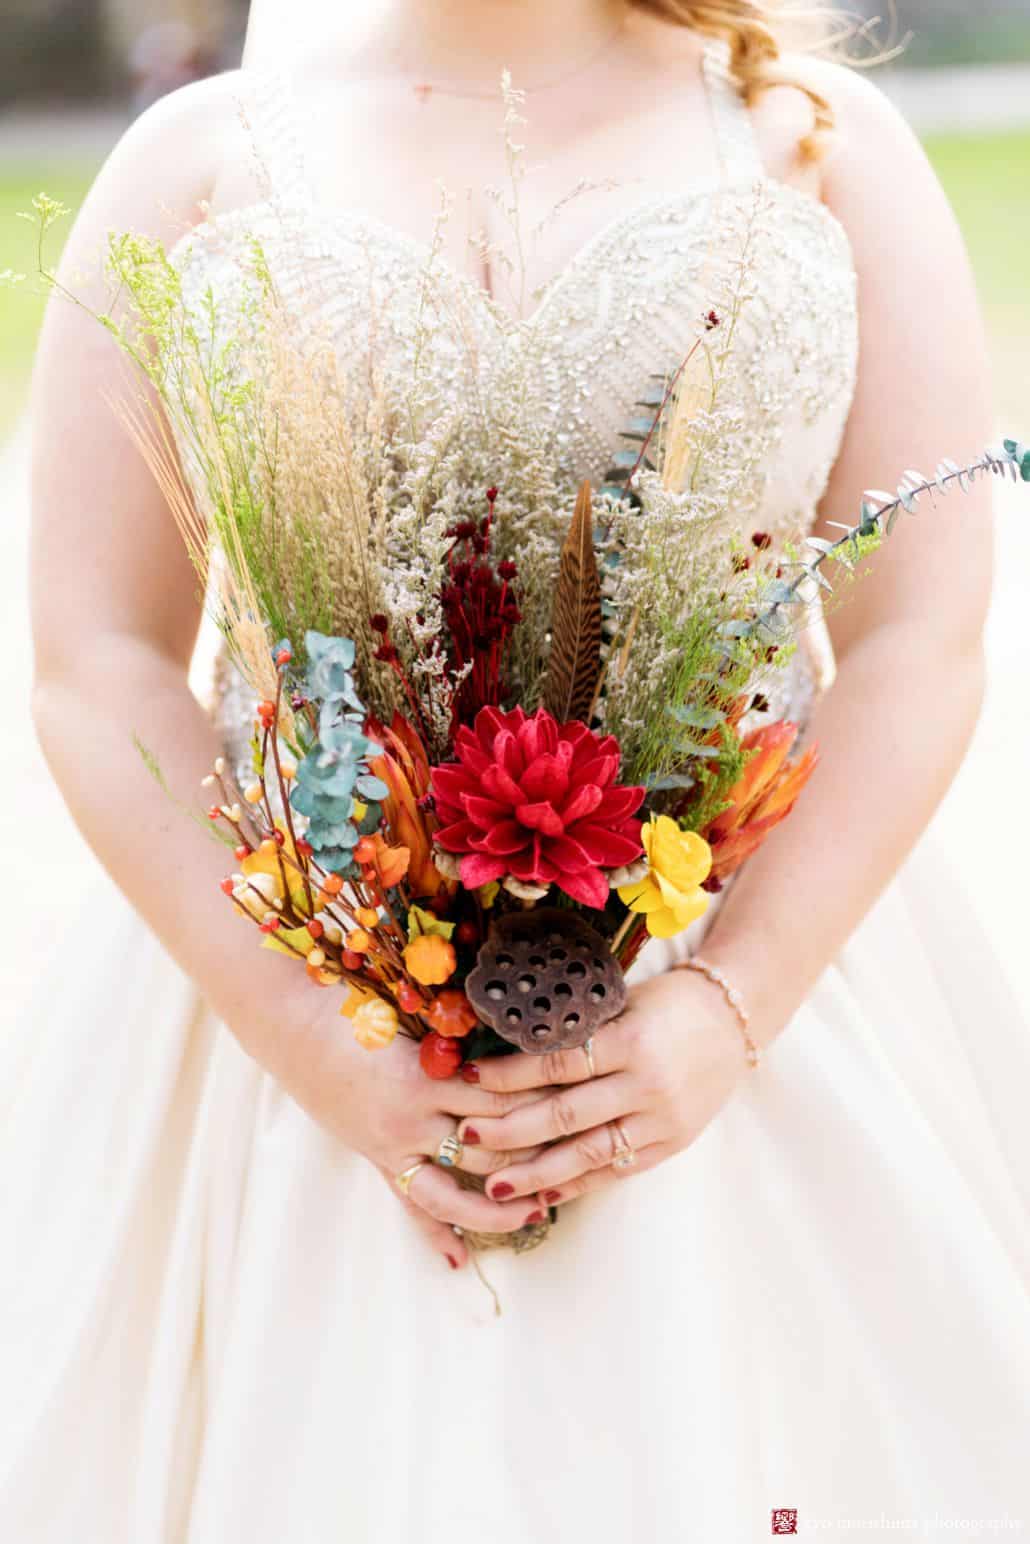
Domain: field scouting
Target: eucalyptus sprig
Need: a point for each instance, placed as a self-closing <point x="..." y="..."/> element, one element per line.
<point x="879" y="515"/>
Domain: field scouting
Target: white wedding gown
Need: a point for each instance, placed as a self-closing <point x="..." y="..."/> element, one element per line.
<point x="216" y="1325"/>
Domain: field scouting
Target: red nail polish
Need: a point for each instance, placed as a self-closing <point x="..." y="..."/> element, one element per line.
<point x="500" y="1191"/>
<point x="537" y="1216"/>
<point x="470" y="1073"/>
<point x="452" y="1262"/>
<point x="471" y="1137"/>
<point x="552" y="1195"/>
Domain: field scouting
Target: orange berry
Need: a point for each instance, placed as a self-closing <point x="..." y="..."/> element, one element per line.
<point x="316" y="928"/>
<point x="365" y="851"/>
<point x="409" y="998"/>
<point x="431" y="959"/>
<point x="359" y="941"/>
<point x="332" y="884"/>
<point x="367" y="917"/>
<point x="228" y="886"/>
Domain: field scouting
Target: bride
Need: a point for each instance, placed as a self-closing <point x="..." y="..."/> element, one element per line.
<point x="224" y="1320"/>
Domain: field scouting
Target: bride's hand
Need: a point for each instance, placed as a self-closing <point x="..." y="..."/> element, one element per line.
<point x="382" y="1105"/>
<point x="663" y="1070"/>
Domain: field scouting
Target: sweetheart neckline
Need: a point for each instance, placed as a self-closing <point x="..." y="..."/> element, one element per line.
<point x="652" y="207"/>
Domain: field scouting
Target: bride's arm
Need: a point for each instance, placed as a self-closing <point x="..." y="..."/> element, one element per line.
<point x="897" y="723"/>
<point x="909" y="638"/>
<point x="115" y="617"/>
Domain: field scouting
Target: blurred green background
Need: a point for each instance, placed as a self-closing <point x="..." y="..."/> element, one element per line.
<point x="128" y="51"/>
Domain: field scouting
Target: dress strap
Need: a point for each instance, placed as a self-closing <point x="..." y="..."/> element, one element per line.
<point x="739" y="158"/>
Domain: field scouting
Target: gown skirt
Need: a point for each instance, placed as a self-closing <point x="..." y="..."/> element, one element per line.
<point x="218" y="1327"/>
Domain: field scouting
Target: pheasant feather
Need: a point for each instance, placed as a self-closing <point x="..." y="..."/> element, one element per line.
<point x="574" y="662"/>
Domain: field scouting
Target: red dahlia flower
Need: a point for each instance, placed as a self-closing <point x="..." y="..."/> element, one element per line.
<point x="534" y="799"/>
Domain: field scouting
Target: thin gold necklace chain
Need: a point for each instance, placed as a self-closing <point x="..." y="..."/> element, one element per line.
<point x="426" y="89"/>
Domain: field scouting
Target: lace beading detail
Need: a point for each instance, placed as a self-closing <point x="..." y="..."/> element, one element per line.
<point x="623" y="310"/>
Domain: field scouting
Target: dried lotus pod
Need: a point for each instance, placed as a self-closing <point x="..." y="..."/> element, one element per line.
<point x="545" y="980"/>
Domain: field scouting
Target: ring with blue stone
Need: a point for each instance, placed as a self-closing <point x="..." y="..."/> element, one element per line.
<point x="448" y="1154"/>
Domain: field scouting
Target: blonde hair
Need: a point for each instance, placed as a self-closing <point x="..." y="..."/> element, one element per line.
<point x="757" y="33"/>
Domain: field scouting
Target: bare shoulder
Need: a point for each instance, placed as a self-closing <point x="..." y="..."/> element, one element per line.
<point x="167" y="165"/>
<point x="870" y="140"/>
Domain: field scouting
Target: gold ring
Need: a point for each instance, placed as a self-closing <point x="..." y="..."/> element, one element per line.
<point x="588" y="1046"/>
<point x="623" y="1154"/>
<point x="404" y="1181"/>
<point x="448" y="1154"/>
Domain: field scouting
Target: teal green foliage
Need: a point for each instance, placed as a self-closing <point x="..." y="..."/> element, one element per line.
<point x="333" y="778"/>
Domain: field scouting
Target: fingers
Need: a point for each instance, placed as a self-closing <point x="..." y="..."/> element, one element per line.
<point x="474" y="1158"/>
<point x="508" y="1074"/>
<point x="560" y="1115"/>
<point x="483" y="1161"/>
<point x="438" y="1194"/>
<point x="459" y="1098"/>
<point x="598" y="1179"/>
<point x="555" y="1168"/>
<point x="440" y="1237"/>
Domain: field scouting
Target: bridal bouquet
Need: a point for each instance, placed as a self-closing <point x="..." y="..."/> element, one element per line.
<point x="498" y="742"/>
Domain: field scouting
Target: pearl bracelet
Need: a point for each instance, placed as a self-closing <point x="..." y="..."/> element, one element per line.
<point x="732" y="995"/>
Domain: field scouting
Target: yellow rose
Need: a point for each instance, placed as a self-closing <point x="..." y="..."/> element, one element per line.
<point x="670" y="895"/>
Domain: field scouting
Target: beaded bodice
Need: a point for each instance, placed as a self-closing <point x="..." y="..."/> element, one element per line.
<point x="622" y="311"/>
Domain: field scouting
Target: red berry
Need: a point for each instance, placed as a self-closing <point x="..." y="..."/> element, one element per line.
<point x="440" y="1058"/>
<point x="316" y="928"/>
<point x="280" y="838"/>
<point x="243" y="851"/>
<point x="352" y="960"/>
<point x="440" y="904"/>
<point x="271" y="926"/>
<point x="467" y="933"/>
<point x="283" y="657"/>
<point x="304" y="849"/>
<point x="214" y="812"/>
<point x="365" y="851"/>
<point x="228" y="886"/>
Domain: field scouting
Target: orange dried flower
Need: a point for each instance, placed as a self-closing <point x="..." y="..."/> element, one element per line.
<point x="404" y="769"/>
<point x="765" y="794"/>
